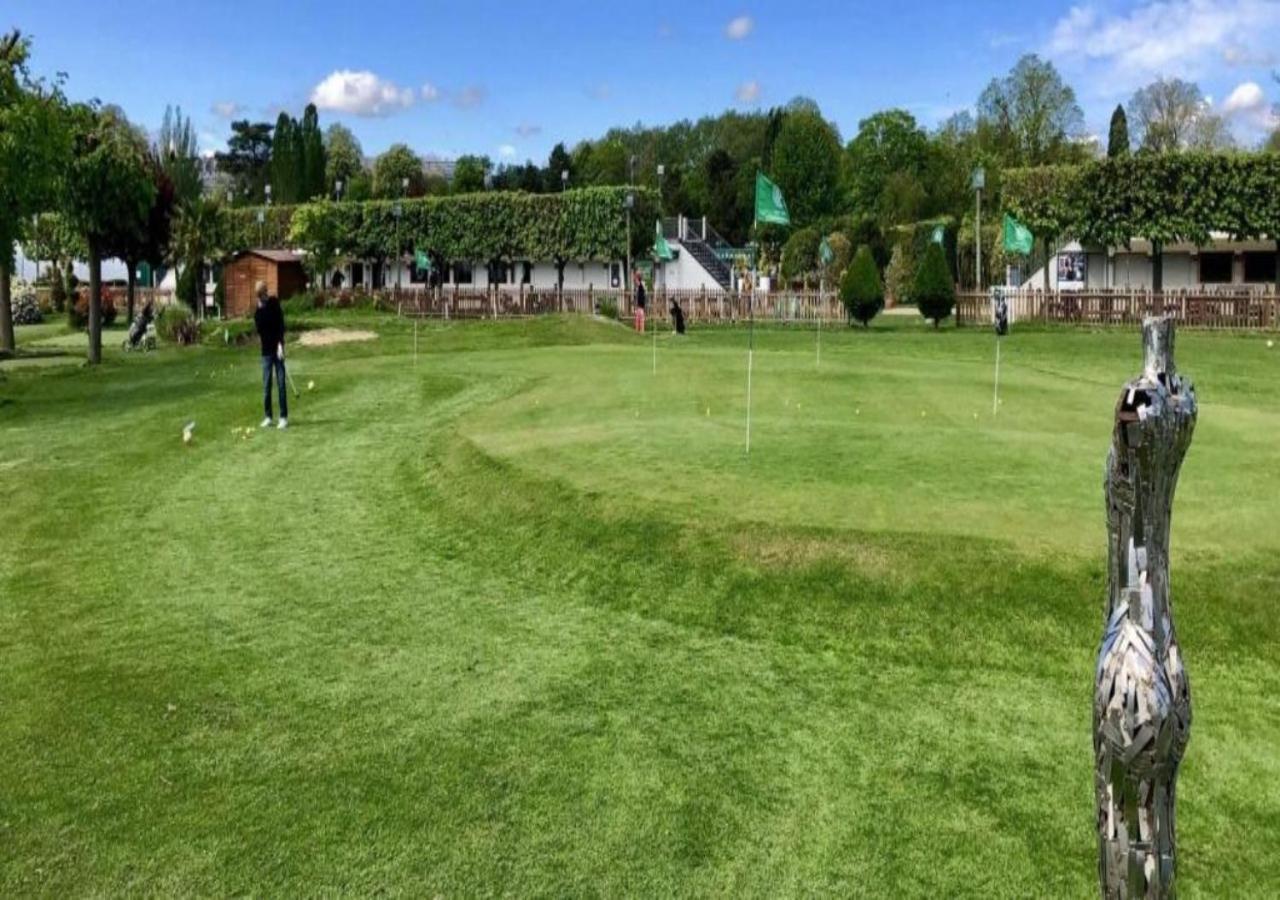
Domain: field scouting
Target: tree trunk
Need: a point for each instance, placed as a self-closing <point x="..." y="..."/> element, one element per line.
<point x="1278" y="267"/>
<point x="8" y="345"/>
<point x="1157" y="267"/>
<point x="1048" y="259"/>
<point x="132" y="271"/>
<point x="95" y="305"/>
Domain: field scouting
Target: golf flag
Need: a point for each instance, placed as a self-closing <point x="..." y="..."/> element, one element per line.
<point x="939" y="234"/>
<point x="825" y="254"/>
<point x="1017" y="237"/>
<point x="421" y="261"/>
<point x="770" y="207"/>
<point x="661" y="249"/>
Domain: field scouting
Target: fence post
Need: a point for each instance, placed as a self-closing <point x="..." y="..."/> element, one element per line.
<point x="591" y="303"/>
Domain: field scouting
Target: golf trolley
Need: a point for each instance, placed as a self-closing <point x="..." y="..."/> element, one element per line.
<point x="142" y="333"/>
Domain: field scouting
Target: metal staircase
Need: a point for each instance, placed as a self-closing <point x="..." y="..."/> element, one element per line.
<point x="696" y="236"/>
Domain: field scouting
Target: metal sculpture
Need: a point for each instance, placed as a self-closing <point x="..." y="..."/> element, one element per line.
<point x="1142" y="704"/>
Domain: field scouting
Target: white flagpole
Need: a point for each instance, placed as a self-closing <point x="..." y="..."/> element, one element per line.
<point x="995" y="400"/>
<point x="821" y="305"/>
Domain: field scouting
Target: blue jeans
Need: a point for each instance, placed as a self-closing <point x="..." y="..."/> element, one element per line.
<point x="274" y="364"/>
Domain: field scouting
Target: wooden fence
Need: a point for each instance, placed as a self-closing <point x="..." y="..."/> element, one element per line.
<point x="1223" y="309"/>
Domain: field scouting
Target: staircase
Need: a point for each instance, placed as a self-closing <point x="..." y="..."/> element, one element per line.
<point x="696" y="237"/>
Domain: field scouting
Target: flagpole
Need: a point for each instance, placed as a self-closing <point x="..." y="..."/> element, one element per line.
<point x="995" y="400"/>
<point x="751" y="327"/>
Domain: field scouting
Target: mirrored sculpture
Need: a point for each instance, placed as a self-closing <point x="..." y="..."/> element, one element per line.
<point x="1142" y="704"/>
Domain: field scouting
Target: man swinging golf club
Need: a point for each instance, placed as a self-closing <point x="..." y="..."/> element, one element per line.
<point x="268" y="319"/>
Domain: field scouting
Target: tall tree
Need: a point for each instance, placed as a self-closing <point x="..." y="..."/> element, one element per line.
<point x="344" y="159"/>
<point x="1032" y="112"/>
<point x="559" y="161"/>
<point x="1171" y="114"/>
<point x="312" y="176"/>
<point x="806" y="165"/>
<point x="286" y="160"/>
<point x="35" y="147"/>
<point x="392" y="168"/>
<point x="109" y="192"/>
<point x="1118" y="136"/>
<point x="469" y="174"/>
<point x="247" y="159"/>
<point x="178" y="153"/>
<point x="887" y="142"/>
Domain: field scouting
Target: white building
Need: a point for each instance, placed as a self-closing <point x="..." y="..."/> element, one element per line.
<point x="1221" y="265"/>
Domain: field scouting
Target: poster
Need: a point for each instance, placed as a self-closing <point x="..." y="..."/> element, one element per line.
<point x="1072" y="271"/>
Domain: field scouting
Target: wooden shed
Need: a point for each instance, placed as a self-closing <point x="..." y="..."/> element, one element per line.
<point x="281" y="270"/>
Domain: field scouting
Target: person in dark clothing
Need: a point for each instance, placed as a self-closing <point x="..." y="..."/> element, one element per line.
<point x="638" y="283"/>
<point x="268" y="319"/>
<point x="677" y="317"/>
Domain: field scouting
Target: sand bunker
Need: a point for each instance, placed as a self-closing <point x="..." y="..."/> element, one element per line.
<point x="327" y="337"/>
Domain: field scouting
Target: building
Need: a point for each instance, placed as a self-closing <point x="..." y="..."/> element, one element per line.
<point x="1221" y="265"/>
<point x="281" y="270"/>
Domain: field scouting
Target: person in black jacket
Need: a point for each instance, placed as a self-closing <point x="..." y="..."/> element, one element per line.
<point x="268" y="319"/>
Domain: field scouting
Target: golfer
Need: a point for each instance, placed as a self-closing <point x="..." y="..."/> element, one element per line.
<point x="640" y="301"/>
<point x="268" y="319"/>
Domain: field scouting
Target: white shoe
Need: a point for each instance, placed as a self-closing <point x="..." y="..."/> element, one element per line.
<point x="266" y="423"/>
<point x="284" y="423"/>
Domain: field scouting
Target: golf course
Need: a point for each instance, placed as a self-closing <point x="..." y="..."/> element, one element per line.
<point x="509" y="610"/>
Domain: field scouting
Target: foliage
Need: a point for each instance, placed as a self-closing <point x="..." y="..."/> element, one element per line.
<point x="861" y="290"/>
<point x="901" y="272"/>
<point x="934" y="289"/>
<point x="176" y="325"/>
<point x="177" y="150"/>
<point x="344" y="161"/>
<point x="1032" y="112"/>
<point x="469" y="174"/>
<point x="78" y="312"/>
<point x="888" y="144"/>
<point x="26" y="309"/>
<point x="315" y="228"/>
<point x="800" y="254"/>
<point x="297" y="159"/>
<point x="841" y="251"/>
<point x="247" y="159"/>
<point x="1118" y="135"/>
<point x="1171" y="114"/>
<point x="393" y="169"/>
<point x="806" y="166"/>
<point x="200" y="235"/>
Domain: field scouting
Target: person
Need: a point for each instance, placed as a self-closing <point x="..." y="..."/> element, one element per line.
<point x="638" y="283"/>
<point x="268" y="319"/>
<point x="677" y="317"/>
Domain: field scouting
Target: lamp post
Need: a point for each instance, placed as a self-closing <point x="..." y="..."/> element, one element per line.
<point x="564" y="180"/>
<point x="337" y="189"/>
<point x="979" y="182"/>
<point x="629" y="203"/>
<point x="662" y="170"/>
<point x="398" y="211"/>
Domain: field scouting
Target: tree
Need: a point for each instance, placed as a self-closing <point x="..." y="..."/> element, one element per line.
<point x="1273" y="143"/>
<point x="1171" y="114"/>
<point x="197" y="237"/>
<point x="806" y="166"/>
<point x="1032" y="113"/>
<point x="53" y="239"/>
<point x="559" y="161"/>
<point x="1118" y="136"/>
<point x="900" y="273"/>
<point x="887" y="143"/>
<point x="34" y="149"/>
<point x="312" y="156"/>
<point x="800" y="254"/>
<point x="146" y="240"/>
<point x="933" y="290"/>
<point x="841" y="250"/>
<point x="861" y="290"/>
<point x="110" y="191"/>
<point x="392" y="168"/>
<point x="247" y="159"/>
<point x="177" y="151"/>
<point x="469" y="174"/>
<point x="286" y="161"/>
<point x="344" y="161"/>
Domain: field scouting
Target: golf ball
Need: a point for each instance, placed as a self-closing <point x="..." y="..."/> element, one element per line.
<point x="1270" y="344"/>
<point x="311" y="385"/>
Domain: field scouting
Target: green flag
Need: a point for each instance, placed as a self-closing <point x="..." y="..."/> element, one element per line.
<point x="661" y="249"/>
<point x="770" y="207"/>
<point x="825" y="254"/>
<point x="1017" y="237"/>
<point x="939" y="234"/>
<point x="421" y="261"/>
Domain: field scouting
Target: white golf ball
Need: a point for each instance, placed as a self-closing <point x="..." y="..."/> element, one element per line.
<point x="311" y="385"/>
<point x="1270" y="344"/>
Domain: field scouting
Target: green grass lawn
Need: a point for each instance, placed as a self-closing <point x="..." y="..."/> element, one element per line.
<point x="521" y="618"/>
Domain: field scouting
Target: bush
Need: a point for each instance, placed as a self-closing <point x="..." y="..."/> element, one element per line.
<point x="78" y="312"/>
<point x="901" y="274"/>
<point x="607" y="307"/>
<point x="934" y="291"/>
<point x="176" y="325"/>
<point x="304" y="303"/>
<point x="800" y="254"/>
<point x="861" y="290"/>
<point x="26" y="310"/>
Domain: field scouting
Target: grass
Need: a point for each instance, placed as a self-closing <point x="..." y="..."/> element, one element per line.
<point x="520" y="617"/>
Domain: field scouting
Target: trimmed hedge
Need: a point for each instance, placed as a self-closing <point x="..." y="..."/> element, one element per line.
<point x="861" y="289"/>
<point x="934" y="291"/>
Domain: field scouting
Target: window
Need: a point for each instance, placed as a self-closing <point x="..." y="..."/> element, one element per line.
<point x="1260" y="268"/>
<point x="462" y="273"/>
<point x="615" y="275"/>
<point x="527" y="276"/>
<point x="1215" y="268"/>
<point x="416" y="275"/>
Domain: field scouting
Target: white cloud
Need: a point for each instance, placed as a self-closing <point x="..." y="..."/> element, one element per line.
<point x="528" y="130"/>
<point x="1161" y="37"/>
<point x="361" y="94"/>
<point x="470" y="97"/>
<point x="748" y="92"/>
<point x="429" y="93"/>
<point x="507" y="151"/>
<point x="1248" y="105"/>
<point x="740" y="28"/>
<point x="226" y="109"/>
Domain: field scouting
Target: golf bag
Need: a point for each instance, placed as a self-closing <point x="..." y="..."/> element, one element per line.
<point x="677" y="317"/>
<point x="142" y="331"/>
<point x="1000" y="315"/>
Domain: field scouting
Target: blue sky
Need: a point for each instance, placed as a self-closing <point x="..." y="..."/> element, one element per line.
<point x="509" y="79"/>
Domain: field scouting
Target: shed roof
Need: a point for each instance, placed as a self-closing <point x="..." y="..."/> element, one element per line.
<point x="280" y="256"/>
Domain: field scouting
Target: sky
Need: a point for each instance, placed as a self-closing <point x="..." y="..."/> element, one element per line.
<point x="509" y="79"/>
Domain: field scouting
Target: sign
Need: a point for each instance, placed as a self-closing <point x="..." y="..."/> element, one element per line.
<point x="771" y="208"/>
<point x="1073" y="270"/>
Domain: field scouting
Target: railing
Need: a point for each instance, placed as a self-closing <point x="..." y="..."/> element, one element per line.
<point x="1229" y="307"/>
